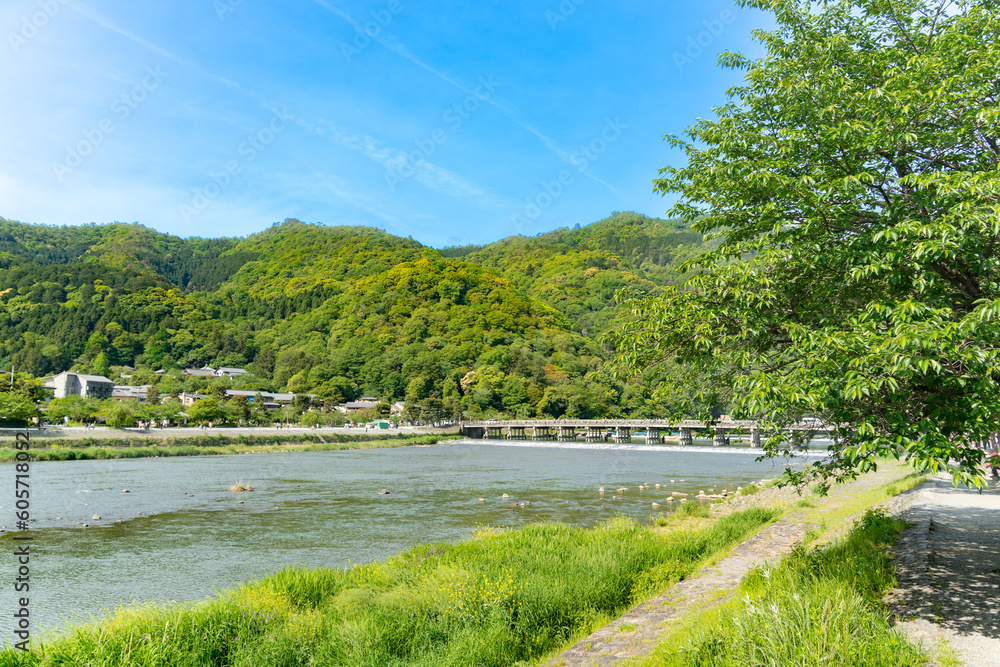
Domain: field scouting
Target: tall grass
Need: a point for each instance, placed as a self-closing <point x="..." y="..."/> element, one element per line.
<point x="501" y="598"/>
<point x="816" y="607"/>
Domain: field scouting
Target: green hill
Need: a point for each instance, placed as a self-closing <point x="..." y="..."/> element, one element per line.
<point x="340" y="311"/>
<point x="578" y="271"/>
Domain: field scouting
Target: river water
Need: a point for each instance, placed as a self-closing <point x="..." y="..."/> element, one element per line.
<point x="183" y="535"/>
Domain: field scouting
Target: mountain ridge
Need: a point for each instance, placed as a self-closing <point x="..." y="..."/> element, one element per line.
<point x="511" y="326"/>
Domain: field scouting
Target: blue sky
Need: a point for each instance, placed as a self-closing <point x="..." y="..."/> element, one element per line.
<point x="451" y="122"/>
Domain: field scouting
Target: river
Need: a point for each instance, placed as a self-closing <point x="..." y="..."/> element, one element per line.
<point x="183" y="535"/>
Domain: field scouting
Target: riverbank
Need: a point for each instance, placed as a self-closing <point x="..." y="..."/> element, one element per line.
<point x="499" y="598"/>
<point x="692" y="623"/>
<point x="128" y="446"/>
<point x="440" y="603"/>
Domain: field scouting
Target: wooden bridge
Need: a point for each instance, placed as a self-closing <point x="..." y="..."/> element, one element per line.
<point x="617" y="430"/>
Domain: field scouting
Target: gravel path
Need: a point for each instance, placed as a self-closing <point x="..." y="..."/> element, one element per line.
<point x="949" y="571"/>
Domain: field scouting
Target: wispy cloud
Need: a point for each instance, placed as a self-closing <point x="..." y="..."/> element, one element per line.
<point x="429" y="175"/>
<point x="93" y="15"/>
<point x="402" y="51"/>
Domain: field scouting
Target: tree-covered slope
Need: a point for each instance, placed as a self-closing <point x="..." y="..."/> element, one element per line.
<point x="337" y="311"/>
<point x="578" y="271"/>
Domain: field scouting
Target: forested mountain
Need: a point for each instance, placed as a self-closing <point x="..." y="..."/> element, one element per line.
<point x="341" y="311"/>
<point x="578" y="271"/>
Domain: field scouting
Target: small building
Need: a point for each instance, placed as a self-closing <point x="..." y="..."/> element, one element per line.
<point x="205" y="372"/>
<point x="231" y="372"/>
<point x="363" y="403"/>
<point x="189" y="399"/>
<point x="282" y="399"/>
<point x="233" y="393"/>
<point x="74" y="384"/>
<point x="123" y="393"/>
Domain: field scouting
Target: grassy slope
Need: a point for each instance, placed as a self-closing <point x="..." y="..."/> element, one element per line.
<point x="819" y="606"/>
<point x="816" y="607"/>
<point x="501" y="598"/>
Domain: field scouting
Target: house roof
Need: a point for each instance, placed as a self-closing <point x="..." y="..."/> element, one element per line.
<point x="127" y="391"/>
<point x="199" y="371"/>
<point x="232" y="371"/>
<point x="246" y="392"/>
<point x="93" y="378"/>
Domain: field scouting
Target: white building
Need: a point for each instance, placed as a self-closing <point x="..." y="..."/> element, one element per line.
<point x="89" y="386"/>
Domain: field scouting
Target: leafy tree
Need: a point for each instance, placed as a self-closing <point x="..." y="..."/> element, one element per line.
<point x="169" y="409"/>
<point x="23" y="384"/>
<point x="852" y="182"/>
<point x="124" y="413"/>
<point x="101" y="364"/>
<point x="242" y="404"/>
<point x="77" y="408"/>
<point x="17" y="407"/>
<point x="205" y="410"/>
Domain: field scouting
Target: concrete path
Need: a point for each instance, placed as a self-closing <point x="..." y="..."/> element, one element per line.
<point x="949" y="571"/>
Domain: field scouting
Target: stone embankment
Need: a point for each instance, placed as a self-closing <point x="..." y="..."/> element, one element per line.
<point x="637" y="632"/>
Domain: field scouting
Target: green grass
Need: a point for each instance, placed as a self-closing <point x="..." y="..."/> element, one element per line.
<point x="828" y="517"/>
<point x="500" y="598"/>
<point x="127" y="448"/>
<point x="816" y="607"/>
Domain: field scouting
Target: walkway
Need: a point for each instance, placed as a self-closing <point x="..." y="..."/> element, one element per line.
<point x="949" y="571"/>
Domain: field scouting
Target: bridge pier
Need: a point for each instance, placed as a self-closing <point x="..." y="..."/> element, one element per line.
<point x="541" y="433"/>
<point x="755" y="437"/>
<point x="623" y="434"/>
<point x="687" y="436"/>
<point x="719" y="437"/>
<point x="515" y="433"/>
<point x="654" y="436"/>
<point x="567" y="433"/>
<point x="494" y="433"/>
<point x="595" y="434"/>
